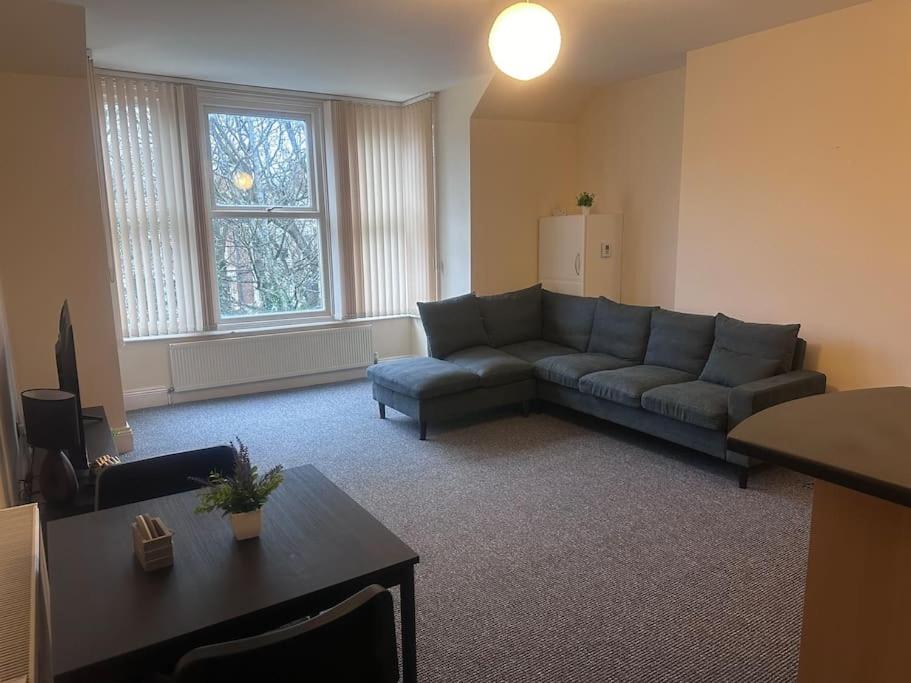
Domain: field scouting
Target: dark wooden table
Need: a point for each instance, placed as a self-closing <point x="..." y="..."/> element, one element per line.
<point x="857" y="602"/>
<point x="857" y="439"/>
<point x="317" y="547"/>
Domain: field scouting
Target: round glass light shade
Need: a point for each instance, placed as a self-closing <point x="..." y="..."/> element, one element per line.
<point x="524" y="40"/>
<point x="243" y="180"/>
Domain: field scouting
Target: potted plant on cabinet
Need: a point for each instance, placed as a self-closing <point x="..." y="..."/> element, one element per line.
<point x="585" y="201"/>
<point x="241" y="496"/>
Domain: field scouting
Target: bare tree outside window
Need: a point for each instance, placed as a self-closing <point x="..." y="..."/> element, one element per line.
<point x="268" y="257"/>
<point x="268" y="265"/>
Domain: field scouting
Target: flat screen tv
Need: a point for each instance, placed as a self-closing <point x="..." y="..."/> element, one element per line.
<point x="68" y="380"/>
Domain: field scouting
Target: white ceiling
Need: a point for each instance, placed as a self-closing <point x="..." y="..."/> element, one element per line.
<point x="397" y="49"/>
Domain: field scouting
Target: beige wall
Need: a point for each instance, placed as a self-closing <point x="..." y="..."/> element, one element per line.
<point x="630" y="143"/>
<point x="625" y="146"/>
<point x="551" y="97"/>
<point x="454" y="107"/>
<point x="796" y="174"/>
<point x="520" y="171"/>
<point x="54" y="244"/>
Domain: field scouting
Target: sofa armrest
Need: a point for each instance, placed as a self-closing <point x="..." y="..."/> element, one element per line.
<point x="748" y="399"/>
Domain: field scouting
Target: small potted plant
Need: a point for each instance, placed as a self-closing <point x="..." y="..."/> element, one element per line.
<point x="241" y="496"/>
<point x="585" y="201"/>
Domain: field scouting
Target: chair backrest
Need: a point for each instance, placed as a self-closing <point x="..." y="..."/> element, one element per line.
<point x="353" y="641"/>
<point x="132" y="482"/>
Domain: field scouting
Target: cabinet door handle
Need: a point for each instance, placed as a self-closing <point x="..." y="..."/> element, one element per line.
<point x="578" y="264"/>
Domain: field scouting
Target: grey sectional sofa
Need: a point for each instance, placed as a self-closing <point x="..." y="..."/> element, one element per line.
<point x="683" y="377"/>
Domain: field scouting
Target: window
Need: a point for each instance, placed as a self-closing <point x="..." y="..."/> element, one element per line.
<point x="143" y="150"/>
<point x="218" y="205"/>
<point x="265" y="209"/>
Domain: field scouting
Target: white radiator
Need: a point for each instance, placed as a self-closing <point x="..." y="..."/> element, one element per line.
<point x="239" y="360"/>
<point x="24" y="633"/>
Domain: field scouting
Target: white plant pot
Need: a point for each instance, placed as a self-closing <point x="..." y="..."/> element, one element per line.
<point x="586" y="210"/>
<point x="247" y="524"/>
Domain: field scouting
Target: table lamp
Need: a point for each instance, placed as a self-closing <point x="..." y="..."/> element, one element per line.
<point x="52" y="425"/>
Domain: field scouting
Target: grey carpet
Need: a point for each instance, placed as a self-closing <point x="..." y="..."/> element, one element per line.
<point x="554" y="547"/>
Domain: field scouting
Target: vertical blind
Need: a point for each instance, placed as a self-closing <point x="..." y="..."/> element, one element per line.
<point x="143" y="141"/>
<point x="387" y="208"/>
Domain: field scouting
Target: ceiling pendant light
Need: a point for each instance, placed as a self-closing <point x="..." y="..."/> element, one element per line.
<point x="524" y="40"/>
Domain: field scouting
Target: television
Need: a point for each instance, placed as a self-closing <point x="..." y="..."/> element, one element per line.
<point x="68" y="380"/>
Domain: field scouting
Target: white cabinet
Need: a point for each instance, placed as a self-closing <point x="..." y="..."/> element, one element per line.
<point x="581" y="254"/>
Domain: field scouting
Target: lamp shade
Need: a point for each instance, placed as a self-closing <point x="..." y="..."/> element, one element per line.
<point x="524" y="40"/>
<point x="51" y="419"/>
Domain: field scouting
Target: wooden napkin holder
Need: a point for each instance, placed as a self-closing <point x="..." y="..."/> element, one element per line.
<point x="153" y="553"/>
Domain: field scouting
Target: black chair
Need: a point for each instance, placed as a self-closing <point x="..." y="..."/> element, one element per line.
<point x="132" y="482"/>
<point x="354" y="642"/>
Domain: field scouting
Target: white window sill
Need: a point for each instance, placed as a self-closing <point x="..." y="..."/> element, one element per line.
<point x="265" y="329"/>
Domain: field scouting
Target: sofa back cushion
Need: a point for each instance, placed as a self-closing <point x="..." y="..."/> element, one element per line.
<point x="452" y="324"/>
<point x="512" y="317"/>
<point x="731" y="369"/>
<point x="744" y="352"/>
<point x="681" y="341"/>
<point x="567" y="319"/>
<point x="621" y="330"/>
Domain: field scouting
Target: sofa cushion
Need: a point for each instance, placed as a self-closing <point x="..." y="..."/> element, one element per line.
<point x="697" y="403"/>
<point x="627" y="385"/>
<point x="745" y="352"/>
<point x="452" y="324"/>
<point x="731" y="369"/>
<point x="621" y="330"/>
<point x="423" y="377"/>
<point x="569" y="369"/>
<point x="512" y="317"/>
<point x="681" y="341"/>
<point x="536" y="349"/>
<point x="492" y="366"/>
<point x="567" y="319"/>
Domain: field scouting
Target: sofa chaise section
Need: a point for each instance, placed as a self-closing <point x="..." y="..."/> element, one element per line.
<point x="493" y="367"/>
<point x="464" y="374"/>
<point x="433" y="390"/>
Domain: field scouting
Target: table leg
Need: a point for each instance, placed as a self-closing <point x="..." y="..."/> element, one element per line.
<point x="409" y="630"/>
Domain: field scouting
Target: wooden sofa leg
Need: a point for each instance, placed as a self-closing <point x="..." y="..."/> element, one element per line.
<point x="744" y="477"/>
<point x="526" y="408"/>
<point x="382" y="410"/>
<point x="423" y="431"/>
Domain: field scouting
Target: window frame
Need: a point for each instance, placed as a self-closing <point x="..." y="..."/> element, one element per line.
<point x="254" y="104"/>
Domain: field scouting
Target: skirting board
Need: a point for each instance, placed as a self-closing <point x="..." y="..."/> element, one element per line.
<point x="148" y="397"/>
<point x="151" y="397"/>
